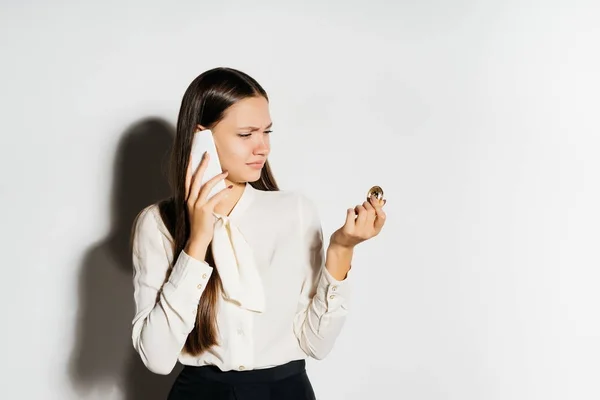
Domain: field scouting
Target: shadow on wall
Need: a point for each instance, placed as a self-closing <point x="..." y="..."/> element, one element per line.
<point x="103" y="359"/>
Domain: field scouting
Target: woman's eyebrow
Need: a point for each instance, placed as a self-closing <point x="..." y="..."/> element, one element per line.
<point x="254" y="128"/>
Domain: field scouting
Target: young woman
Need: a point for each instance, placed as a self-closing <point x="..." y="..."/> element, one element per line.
<point x="238" y="287"/>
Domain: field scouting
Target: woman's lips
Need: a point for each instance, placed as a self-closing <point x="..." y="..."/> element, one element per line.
<point x="256" y="165"/>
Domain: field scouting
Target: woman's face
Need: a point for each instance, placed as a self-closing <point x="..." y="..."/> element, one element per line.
<point x="242" y="139"/>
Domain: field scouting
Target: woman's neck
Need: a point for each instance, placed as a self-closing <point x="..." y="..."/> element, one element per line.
<point x="226" y="205"/>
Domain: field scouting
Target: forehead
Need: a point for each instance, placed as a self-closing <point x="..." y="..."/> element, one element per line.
<point x="249" y="111"/>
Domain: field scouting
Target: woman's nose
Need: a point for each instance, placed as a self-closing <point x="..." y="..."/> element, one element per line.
<point x="262" y="147"/>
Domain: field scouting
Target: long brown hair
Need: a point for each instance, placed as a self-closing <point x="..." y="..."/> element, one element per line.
<point x="204" y="102"/>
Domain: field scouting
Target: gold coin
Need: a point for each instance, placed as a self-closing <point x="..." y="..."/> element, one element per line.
<point x="376" y="191"/>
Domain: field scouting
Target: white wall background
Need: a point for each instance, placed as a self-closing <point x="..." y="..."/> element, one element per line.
<point x="478" y="118"/>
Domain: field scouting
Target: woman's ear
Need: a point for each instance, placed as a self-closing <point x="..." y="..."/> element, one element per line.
<point x="199" y="128"/>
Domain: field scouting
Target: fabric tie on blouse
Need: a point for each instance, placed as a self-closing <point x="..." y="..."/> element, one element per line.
<point x="236" y="265"/>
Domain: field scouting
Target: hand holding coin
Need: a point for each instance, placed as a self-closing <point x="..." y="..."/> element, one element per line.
<point x="363" y="221"/>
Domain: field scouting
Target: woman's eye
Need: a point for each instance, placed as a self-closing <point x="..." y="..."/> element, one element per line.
<point x="245" y="135"/>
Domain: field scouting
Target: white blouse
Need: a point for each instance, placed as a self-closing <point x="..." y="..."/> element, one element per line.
<point x="302" y="309"/>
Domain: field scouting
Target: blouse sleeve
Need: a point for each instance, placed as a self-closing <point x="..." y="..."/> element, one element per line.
<point x="165" y="307"/>
<point x="323" y="304"/>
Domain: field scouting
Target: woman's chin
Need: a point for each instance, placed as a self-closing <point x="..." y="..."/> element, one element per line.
<point x="250" y="176"/>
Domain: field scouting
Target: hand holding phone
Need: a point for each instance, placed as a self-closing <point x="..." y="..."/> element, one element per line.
<point x="204" y="189"/>
<point x="203" y="142"/>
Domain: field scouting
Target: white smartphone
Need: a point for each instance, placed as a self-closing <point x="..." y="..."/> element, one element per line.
<point x="203" y="141"/>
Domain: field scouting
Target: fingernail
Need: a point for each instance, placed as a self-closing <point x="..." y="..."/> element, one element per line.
<point x="229" y="187"/>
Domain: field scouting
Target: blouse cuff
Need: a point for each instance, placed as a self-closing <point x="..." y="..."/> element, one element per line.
<point x="187" y="281"/>
<point x="334" y="292"/>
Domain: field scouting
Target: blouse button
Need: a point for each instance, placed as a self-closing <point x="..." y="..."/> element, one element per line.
<point x="203" y="276"/>
<point x="332" y="297"/>
<point x="199" y="286"/>
<point x="242" y="368"/>
<point x="334" y="288"/>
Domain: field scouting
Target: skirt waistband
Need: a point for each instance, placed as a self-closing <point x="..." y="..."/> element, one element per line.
<point x="234" y="377"/>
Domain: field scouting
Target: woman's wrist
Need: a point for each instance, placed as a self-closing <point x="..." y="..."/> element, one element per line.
<point x="197" y="248"/>
<point x="338" y="260"/>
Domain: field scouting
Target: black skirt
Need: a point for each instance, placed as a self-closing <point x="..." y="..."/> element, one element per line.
<point x="284" y="382"/>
